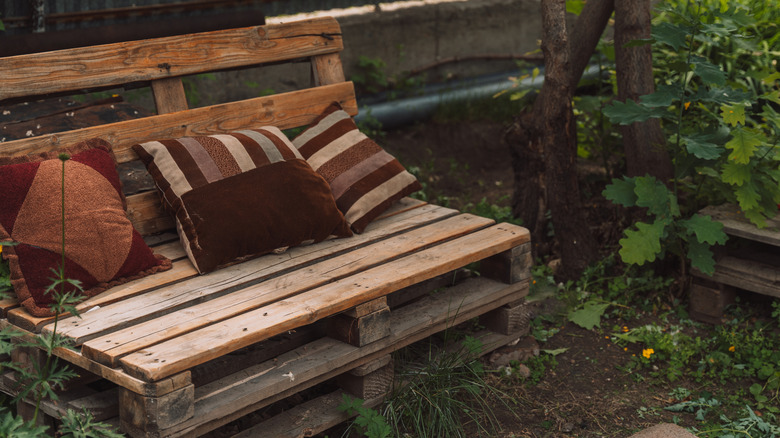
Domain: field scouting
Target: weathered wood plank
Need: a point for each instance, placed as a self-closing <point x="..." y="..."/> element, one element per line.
<point x="145" y="60"/>
<point x="746" y="274"/>
<point x="735" y="224"/>
<point x="158" y="388"/>
<point x="169" y="95"/>
<point x="284" y="110"/>
<point x="327" y="69"/>
<point x="225" y="400"/>
<point x="181" y="270"/>
<point x="205" y="344"/>
<point x="307" y="419"/>
<point x="187" y="293"/>
<point x="109" y="349"/>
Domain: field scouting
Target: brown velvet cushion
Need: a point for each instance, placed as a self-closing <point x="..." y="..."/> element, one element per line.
<point x="241" y="195"/>
<point x="102" y="248"/>
<point x="365" y="179"/>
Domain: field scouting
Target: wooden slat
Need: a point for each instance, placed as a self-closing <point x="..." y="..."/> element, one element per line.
<point x="188" y="293"/>
<point x="258" y="386"/>
<point x="735" y="224"/>
<point x="169" y="95"/>
<point x="202" y="345"/>
<point x="746" y="274"/>
<point x="117" y="376"/>
<point x="146" y="212"/>
<point x="327" y="69"/>
<point x="181" y="270"/>
<point x="110" y="348"/>
<point x="285" y="110"/>
<point x="145" y="60"/>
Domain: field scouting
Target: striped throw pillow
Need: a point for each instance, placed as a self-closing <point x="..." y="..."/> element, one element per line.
<point x="364" y="178"/>
<point x="240" y="195"/>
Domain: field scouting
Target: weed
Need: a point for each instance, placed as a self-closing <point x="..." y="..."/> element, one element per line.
<point x="444" y="393"/>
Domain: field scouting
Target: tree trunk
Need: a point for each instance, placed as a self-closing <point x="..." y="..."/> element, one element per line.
<point x="644" y="142"/>
<point x="545" y="151"/>
<point x="585" y="35"/>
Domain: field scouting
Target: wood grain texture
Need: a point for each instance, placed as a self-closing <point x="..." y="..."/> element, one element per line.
<point x="284" y="110"/>
<point x="115" y="375"/>
<point x="145" y="60"/>
<point x="169" y="95"/>
<point x="134" y="310"/>
<point x="258" y="386"/>
<point x="109" y="349"/>
<point x="199" y="346"/>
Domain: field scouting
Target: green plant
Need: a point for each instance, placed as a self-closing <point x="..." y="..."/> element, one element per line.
<point x="368" y="421"/>
<point x="443" y="393"/>
<point x="369" y="76"/>
<point x="723" y="137"/>
<point x="496" y="212"/>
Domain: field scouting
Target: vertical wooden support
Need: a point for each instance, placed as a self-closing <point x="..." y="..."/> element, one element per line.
<point x="146" y="416"/>
<point x="169" y="95"/>
<point x="369" y="381"/>
<point x="327" y="69"/>
<point x="362" y="325"/>
<point x="509" y="266"/>
<point x="708" y="300"/>
<point x="512" y="318"/>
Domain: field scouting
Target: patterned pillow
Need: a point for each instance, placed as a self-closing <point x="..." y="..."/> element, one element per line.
<point x="365" y="179"/>
<point x="101" y="246"/>
<point x="240" y="195"/>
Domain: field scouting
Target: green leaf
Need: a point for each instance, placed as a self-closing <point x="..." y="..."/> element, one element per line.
<point x="654" y="195"/>
<point x="628" y="112"/>
<point x="642" y="245"/>
<point x="556" y="352"/>
<point x="733" y="114"/>
<point x="589" y="315"/>
<point x="735" y="174"/>
<point x="673" y="35"/>
<point x="664" y="96"/>
<point x="747" y="196"/>
<point x="705" y="229"/>
<point x="701" y="257"/>
<point x="621" y="192"/>
<point x="743" y="145"/>
<point x="701" y="146"/>
<point x="708" y="71"/>
<point x="721" y="95"/>
<point x="575" y="6"/>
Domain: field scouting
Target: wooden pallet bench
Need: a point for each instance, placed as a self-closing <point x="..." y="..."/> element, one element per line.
<point x="750" y="261"/>
<point x="182" y="354"/>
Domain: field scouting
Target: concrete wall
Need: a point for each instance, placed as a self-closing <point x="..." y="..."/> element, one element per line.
<point x="406" y="36"/>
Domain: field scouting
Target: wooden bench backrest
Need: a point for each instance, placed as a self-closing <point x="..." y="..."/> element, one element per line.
<point x="161" y="62"/>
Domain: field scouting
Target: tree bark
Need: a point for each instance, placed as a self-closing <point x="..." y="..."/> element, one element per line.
<point x="644" y="142"/>
<point x="585" y="35"/>
<point x="545" y="152"/>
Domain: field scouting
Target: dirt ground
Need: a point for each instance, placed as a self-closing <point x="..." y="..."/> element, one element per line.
<point x="584" y="395"/>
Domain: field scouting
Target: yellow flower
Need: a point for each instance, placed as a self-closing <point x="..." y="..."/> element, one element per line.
<point x="732" y="349"/>
<point x="687" y="104"/>
<point x="647" y="353"/>
<point x="625" y="329"/>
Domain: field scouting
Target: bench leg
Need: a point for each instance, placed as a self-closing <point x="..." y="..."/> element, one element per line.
<point x="512" y="318"/>
<point x="709" y="299"/>
<point x="369" y="381"/>
<point x="146" y="416"/>
<point x="510" y="266"/>
<point x="362" y="325"/>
